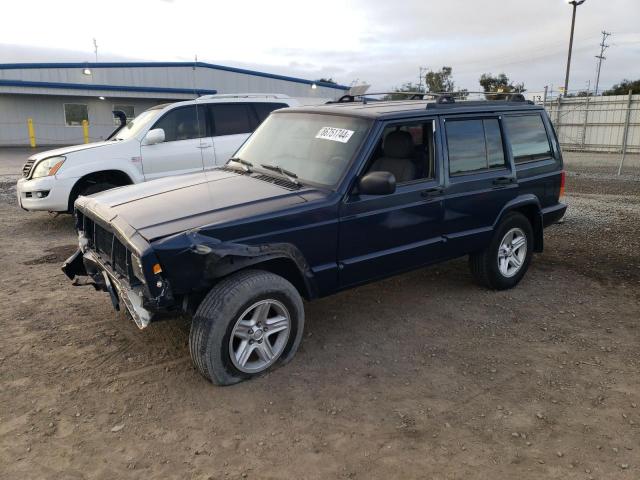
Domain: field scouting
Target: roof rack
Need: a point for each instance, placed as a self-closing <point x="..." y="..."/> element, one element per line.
<point x="440" y="98"/>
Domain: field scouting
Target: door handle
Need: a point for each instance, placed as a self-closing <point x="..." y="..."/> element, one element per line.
<point x="204" y="146"/>
<point x="503" y="181"/>
<point x="431" y="192"/>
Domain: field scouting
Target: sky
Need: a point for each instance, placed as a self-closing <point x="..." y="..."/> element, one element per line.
<point x="383" y="43"/>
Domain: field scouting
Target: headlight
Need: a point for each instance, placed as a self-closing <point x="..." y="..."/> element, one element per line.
<point x="48" y="166"/>
<point x="136" y="265"/>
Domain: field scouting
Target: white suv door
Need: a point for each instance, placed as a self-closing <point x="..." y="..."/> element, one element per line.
<point x="186" y="147"/>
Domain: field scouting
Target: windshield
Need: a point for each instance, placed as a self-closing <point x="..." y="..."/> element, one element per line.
<point x="314" y="147"/>
<point x="134" y="127"/>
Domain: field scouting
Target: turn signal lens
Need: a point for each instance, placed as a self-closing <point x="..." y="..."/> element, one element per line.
<point x="53" y="170"/>
<point x="562" y="181"/>
<point x="157" y="269"/>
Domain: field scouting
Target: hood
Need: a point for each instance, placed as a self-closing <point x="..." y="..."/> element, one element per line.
<point x="174" y="204"/>
<point x="71" y="149"/>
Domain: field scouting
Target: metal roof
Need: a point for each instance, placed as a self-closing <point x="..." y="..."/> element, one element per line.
<point x="105" y="88"/>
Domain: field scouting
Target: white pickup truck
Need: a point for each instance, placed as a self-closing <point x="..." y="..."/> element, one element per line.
<point x="169" y="139"/>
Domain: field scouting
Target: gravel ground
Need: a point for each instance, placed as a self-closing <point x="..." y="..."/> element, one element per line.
<point x="424" y="375"/>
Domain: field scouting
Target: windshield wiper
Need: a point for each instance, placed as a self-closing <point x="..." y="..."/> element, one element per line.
<point x="287" y="173"/>
<point x="246" y="164"/>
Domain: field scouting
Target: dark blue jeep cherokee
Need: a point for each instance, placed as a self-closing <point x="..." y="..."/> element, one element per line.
<point x="320" y="199"/>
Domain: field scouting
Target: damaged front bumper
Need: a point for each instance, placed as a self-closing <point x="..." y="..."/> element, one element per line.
<point x="103" y="278"/>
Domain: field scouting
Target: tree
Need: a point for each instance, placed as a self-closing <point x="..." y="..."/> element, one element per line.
<point x="499" y="83"/>
<point x="623" y="87"/>
<point x="406" y="87"/>
<point x="439" y="81"/>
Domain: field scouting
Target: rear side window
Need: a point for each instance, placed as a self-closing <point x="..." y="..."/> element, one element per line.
<point x="182" y="124"/>
<point x="231" y="118"/>
<point x="528" y="137"/>
<point x="264" y="109"/>
<point x="474" y="145"/>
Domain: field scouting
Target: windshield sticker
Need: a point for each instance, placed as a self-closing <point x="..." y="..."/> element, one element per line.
<point x="336" y="134"/>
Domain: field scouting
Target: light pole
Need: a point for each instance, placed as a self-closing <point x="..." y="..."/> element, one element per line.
<point x="575" y="4"/>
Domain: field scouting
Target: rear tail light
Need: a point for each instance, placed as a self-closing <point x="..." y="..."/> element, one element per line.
<point x="562" y="182"/>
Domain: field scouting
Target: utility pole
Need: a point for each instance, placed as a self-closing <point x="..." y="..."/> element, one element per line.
<point x="422" y="70"/>
<point x="95" y="48"/>
<point x="601" y="57"/>
<point x="575" y="4"/>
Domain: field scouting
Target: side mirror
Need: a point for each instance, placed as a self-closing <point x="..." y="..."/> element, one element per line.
<point x="154" y="136"/>
<point x="377" y="183"/>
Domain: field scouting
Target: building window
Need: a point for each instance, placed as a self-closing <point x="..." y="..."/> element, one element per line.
<point x="75" y="113"/>
<point x="128" y="110"/>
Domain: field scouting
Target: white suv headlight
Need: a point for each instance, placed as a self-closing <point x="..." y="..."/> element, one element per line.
<point x="48" y="166"/>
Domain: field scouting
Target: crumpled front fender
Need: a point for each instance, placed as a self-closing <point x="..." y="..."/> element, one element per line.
<point x="193" y="261"/>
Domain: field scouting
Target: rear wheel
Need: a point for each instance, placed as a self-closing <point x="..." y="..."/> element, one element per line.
<point x="505" y="261"/>
<point x="249" y="323"/>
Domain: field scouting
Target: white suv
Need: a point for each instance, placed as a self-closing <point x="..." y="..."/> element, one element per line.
<point x="167" y="139"/>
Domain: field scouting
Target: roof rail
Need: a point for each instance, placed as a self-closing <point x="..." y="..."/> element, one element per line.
<point x="244" y="95"/>
<point x="439" y="97"/>
<point x="364" y="97"/>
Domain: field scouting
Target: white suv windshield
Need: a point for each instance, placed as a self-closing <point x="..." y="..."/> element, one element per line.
<point x="315" y="147"/>
<point x="132" y="128"/>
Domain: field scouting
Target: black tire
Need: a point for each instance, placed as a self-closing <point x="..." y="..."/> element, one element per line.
<point x="88" y="189"/>
<point x="97" y="187"/>
<point x="484" y="265"/>
<point x="218" y="313"/>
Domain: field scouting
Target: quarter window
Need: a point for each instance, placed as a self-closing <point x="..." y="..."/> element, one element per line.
<point x="474" y="145"/>
<point x="182" y="124"/>
<point x="264" y="109"/>
<point x="528" y="138"/>
<point x="230" y="119"/>
<point x="75" y="113"/>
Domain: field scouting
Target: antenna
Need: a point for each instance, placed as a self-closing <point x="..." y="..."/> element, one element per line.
<point x="201" y="129"/>
<point x="601" y="57"/>
<point x="95" y="49"/>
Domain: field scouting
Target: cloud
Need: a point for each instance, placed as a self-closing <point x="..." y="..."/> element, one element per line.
<point x="381" y="42"/>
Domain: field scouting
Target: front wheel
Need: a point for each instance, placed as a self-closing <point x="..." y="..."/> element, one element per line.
<point x="505" y="261"/>
<point x="247" y="324"/>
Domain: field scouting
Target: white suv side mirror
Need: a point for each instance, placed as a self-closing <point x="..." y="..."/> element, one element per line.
<point x="154" y="136"/>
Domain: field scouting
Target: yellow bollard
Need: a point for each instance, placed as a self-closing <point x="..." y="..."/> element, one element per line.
<point x="32" y="133"/>
<point x="85" y="130"/>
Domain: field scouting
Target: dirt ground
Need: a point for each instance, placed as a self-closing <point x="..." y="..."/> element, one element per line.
<point x="424" y="375"/>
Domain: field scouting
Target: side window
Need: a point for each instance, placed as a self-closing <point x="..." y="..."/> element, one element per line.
<point x="230" y="118"/>
<point x="528" y="137"/>
<point x="406" y="150"/>
<point x="474" y="145"/>
<point x="182" y="124"/>
<point x="264" y="109"/>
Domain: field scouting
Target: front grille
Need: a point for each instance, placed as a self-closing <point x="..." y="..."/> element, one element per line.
<point x="281" y="182"/>
<point x="26" y="170"/>
<point x="111" y="250"/>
